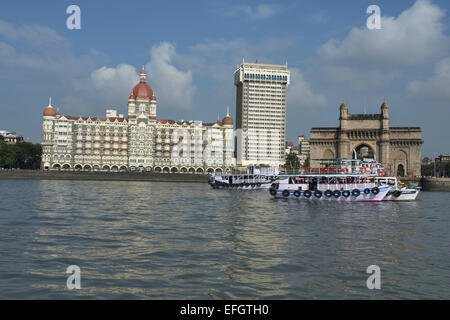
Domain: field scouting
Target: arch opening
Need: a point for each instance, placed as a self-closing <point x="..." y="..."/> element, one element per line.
<point x="400" y="171"/>
<point x="364" y="151"/>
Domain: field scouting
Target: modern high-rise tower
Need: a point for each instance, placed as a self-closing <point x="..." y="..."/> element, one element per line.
<point x="260" y="113"/>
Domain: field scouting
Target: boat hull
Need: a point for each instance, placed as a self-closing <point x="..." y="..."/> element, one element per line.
<point x="362" y="197"/>
<point x="221" y="185"/>
<point x="405" y="195"/>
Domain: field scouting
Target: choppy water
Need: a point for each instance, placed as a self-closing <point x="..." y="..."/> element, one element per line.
<point x="143" y="240"/>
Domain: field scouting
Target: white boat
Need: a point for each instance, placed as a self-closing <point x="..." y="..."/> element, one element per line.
<point x="399" y="191"/>
<point x="340" y="180"/>
<point x="252" y="178"/>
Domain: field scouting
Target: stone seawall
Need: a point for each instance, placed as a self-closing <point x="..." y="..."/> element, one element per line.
<point x="411" y="181"/>
<point x="429" y="184"/>
<point x="435" y="184"/>
<point x="101" y="176"/>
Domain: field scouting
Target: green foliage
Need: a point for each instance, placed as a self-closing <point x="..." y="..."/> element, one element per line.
<point x="292" y="160"/>
<point x="307" y="163"/>
<point x="442" y="169"/>
<point x="20" y="156"/>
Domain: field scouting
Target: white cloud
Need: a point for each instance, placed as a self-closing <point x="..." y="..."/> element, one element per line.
<point x="435" y="89"/>
<point x="111" y="86"/>
<point x="114" y="78"/>
<point x="414" y="37"/>
<point x="259" y="12"/>
<point x="32" y="35"/>
<point x="358" y="79"/>
<point x="318" y="17"/>
<point x="173" y="87"/>
<point x="219" y="57"/>
<point x="39" y="48"/>
<point x="300" y="93"/>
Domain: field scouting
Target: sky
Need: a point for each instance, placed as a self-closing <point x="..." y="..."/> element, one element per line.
<point x="191" y="49"/>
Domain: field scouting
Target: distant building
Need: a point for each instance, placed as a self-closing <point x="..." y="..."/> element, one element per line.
<point x="137" y="142"/>
<point x="261" y="113"/>
<point x="426" y="161"/>
<point x="397" y="148"/>
<point x="443" y="158"/>
<point x="10" y="137"/>
<point x="289" y="147"/>
<point x="303" y="149"/>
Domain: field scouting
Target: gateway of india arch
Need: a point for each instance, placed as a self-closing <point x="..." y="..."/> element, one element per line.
<point x="370" y="136"/>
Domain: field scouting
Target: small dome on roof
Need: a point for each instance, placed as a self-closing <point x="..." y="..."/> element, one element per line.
<point x="227" y="120"/>
<point x="49" y="111"/>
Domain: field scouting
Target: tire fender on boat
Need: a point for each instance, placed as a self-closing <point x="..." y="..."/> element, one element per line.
<point x="286" y="193"/>
<point x="356" y="192"/>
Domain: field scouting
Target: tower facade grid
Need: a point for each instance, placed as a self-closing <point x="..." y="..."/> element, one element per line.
<point x="260" y="113"/>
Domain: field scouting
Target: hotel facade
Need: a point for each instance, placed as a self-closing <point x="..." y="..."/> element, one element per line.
<point x="261" y="113"/>
<point x="137" y="142"/>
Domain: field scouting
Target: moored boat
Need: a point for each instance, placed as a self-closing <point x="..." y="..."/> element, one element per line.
<point x="253" y="178"/>
<point x="399" y="191"/>
<point x="342" y="180"/>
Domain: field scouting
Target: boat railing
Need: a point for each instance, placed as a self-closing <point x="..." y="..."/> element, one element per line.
<point x="323" y="171"/>
<point x="345" y="186"/>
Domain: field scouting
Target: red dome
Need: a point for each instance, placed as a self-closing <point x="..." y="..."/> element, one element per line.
<point x="49" y="112"/>
<point x="142" y="90"/>
<point x="227" y="121"/>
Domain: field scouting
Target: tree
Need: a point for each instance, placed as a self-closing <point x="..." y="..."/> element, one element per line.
<point x="307" y="163"/>
<point x="20" y="156"/>
<point x="427" y="170"/>
<point x="442" y="169"/>
<point x="292" y="160"/>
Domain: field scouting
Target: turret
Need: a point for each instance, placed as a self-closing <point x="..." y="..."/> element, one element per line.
<point x="385" y="110"/>
<point x="143" y="75"/>
<point x="385" y="137"/>
<point x="385" y="116"/>
<point x="343" y="116"/>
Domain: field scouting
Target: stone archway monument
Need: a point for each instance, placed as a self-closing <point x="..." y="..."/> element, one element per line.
<point x="370" y="136"/>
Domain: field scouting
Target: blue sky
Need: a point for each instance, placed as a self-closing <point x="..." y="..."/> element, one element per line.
<point x="191" y="49"/>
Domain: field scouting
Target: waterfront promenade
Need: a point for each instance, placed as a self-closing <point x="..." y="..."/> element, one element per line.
<point x="101" y="176"/>
<point x="427" y="184"/>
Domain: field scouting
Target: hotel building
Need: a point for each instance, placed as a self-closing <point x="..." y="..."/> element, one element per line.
<point x="137" y="142"/>
<point x="260" y="113"/>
